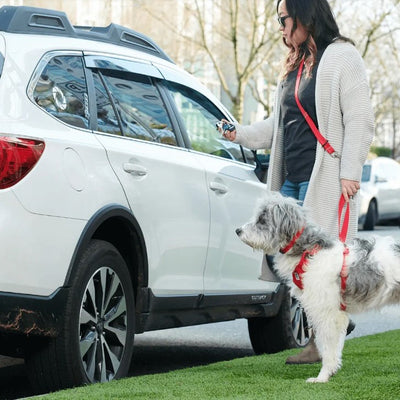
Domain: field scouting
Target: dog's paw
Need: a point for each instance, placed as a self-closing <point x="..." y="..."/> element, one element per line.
<point x="317" y="380"/>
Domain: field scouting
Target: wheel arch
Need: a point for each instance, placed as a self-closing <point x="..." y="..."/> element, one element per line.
<point x="371" y="220"/>
<point x="118" y="226"/>
<point x="374" y="200"/>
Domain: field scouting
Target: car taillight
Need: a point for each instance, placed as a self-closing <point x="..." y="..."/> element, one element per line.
<point x="17" y="157"/>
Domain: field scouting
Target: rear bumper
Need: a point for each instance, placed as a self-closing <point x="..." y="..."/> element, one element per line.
<point x="32" y="315"/>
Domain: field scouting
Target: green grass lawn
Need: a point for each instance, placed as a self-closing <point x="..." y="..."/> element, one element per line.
<point x="371" y="370"/>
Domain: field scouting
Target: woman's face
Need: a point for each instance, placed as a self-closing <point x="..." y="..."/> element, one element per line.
<point x="296" y="38"/>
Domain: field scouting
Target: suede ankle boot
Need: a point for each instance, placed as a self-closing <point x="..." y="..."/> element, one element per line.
<point x="309" y="355"/>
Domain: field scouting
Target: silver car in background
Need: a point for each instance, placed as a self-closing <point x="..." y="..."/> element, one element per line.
<point x="380" y="193"/>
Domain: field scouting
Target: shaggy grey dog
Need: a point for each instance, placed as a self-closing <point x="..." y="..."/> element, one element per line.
<point x="327" y="277"/>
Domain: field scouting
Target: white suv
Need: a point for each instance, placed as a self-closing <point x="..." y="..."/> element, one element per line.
<point x="118" y="204"/>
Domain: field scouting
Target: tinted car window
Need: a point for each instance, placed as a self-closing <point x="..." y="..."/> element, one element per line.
<point x="61" y="90"/>
<point x="107" y="120"/>
<point x="200" y="115"/>
<point x="366" y="173"/>
<point x="140" y="109"/>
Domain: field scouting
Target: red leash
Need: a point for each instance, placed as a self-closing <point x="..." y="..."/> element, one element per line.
<point x="321" y="139"/>
<point x="343" y="231"/>
<point x="299" y="270"/>
<point x="342" y="236"/>
<point x="343" y="278"/>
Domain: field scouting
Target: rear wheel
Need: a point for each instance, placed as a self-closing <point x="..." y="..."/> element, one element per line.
<point x="288" y="329"/>
<point x="96" y="343"/>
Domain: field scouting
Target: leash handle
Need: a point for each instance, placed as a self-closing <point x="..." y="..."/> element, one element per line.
<point x="344" y="229"/>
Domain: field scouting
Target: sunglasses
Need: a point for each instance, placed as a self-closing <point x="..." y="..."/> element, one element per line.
<point x="282" y="20"/>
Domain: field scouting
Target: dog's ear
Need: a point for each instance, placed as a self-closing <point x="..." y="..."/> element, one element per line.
<point x="289" y="216"/>
<point x="276" y="208"/>
<point x="294" y="210"/>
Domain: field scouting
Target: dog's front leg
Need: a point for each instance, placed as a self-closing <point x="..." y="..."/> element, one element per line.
<point x="329" y="338"/>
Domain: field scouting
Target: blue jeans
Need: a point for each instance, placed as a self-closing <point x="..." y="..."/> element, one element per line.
<point x="296" y="190"/>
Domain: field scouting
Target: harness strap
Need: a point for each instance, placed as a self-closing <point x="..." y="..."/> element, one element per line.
<point x="298" y="272"/>
<point x="292" y="242"/>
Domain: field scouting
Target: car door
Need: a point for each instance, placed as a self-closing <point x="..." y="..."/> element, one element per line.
<point x="232" y="267"/>
<point x="164" y="184"/>
<point x="387" y="182"/>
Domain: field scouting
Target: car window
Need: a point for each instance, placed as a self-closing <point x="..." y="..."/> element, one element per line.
<point x="200" y="115"/>
<point x="61" y="90"/>
<point x="366" y="173"/>
<point x="107" y="120"/>
<point x="135" y="104"/>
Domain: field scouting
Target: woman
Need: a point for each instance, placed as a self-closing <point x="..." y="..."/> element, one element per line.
<point x="334" y="91"/>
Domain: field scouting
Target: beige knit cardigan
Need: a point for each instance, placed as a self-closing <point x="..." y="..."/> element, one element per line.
<point x="345" y="118"/>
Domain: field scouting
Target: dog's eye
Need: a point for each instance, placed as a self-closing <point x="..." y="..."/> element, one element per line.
<point x="261" y="220"/>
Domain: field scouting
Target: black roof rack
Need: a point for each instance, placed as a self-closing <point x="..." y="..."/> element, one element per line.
<point x="40" y="21"/>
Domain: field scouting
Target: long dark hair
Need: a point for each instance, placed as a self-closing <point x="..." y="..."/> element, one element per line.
<point x="317" y="18"/>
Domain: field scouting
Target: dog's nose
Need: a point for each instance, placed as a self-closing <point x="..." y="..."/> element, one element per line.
<point x="238" y="231"/>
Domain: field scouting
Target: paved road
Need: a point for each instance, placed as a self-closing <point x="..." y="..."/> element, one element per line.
<point x="184" y="347"/>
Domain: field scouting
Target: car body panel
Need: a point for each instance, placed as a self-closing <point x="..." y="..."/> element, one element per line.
<point x="175" y="227"/>
<point x="39" y="265"/>
<point x="232" y="266"/>
<point x="381" y="185"/>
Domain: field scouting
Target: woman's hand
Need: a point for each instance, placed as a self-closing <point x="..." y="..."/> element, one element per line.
<point x="230" y="135"/>
<point x="349" y="188"/>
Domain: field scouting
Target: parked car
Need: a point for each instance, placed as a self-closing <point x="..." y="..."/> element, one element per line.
<point x="119" y="202"/>
<point x="380" y="192"/>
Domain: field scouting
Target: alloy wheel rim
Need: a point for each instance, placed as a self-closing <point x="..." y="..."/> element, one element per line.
<point x="301" y="331"/>
<point x="102" y="325"/>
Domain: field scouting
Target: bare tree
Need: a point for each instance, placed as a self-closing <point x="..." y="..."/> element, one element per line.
<point x="236" y="37"/>
<point x="235" y="44"/>
<point x="379" y="44"/>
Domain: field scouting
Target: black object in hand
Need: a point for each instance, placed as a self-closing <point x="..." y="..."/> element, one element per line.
<point x="225" y="126"/>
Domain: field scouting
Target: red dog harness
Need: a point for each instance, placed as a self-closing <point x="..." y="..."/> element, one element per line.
<point x="299" y="270"/>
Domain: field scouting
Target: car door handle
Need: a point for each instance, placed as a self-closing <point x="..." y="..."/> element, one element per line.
<point x="218" y="187"/>
<point x="134" y="169"/>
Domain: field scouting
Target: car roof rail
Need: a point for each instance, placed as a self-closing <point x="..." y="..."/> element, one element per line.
<point x="41" y="21"/>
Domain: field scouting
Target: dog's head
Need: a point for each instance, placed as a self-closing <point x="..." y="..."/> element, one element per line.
<point x="275" y="223"/>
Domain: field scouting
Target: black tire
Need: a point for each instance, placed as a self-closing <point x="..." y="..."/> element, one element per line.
<point x="371" y="217"/>
<point x="96" y="343"/>
<point x="288" y="329"/>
